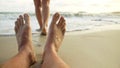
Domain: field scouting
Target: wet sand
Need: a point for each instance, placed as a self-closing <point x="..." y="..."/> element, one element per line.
<point x="97" y="48"/>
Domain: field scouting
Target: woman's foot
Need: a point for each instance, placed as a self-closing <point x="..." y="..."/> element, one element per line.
<point x="24" y="37"/>
<point x="44" y="30"/>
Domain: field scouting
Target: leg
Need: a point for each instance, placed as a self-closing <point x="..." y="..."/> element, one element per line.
<point x="54" y="40"/>
<point x="45" y="14"/>
<point x="25" y="58"/>
<point x="38" y="11"/>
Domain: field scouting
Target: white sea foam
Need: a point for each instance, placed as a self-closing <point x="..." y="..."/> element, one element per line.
<point x="75" y="21"/>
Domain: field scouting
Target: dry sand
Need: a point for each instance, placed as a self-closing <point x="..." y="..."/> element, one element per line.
<point x="98" y="48"/>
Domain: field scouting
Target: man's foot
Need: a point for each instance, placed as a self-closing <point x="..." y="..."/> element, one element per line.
<point x="24" y="37"/>
<point x="54" y="40"/>
<point x="56" y="32"/>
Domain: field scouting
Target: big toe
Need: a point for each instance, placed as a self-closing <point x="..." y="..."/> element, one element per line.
<point x="27" y="18"/>
<point x="55" y="18"/>
<point x="61" y="24"/>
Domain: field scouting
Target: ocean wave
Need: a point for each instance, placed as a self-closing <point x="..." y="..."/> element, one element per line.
<point x="67" y="14"/>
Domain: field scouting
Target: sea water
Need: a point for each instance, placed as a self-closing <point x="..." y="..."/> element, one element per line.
<point x="74" y="21"/>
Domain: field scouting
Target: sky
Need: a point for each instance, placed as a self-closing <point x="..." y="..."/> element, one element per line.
<point x="91" y="6"/>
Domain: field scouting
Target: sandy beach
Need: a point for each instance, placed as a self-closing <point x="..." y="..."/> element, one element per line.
<point x="97" y="48"/>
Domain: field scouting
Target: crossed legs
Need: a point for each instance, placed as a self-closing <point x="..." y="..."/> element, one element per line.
<point x="26" y="56"/>
<point x="42" y="14"/>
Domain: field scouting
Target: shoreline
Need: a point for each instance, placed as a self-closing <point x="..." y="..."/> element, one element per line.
<point x="97" y="29"/>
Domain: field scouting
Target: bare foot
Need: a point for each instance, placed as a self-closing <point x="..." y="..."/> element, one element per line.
<point x="44" y="30"/>
<point x="54" y="40"/>
<point x="56" y="32"/>
<point x="24" y="36"/>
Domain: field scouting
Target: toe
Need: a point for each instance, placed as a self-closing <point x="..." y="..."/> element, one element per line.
<point x="61" y="23"/>
<point x="56" y="16"/>
<point x="27" y="19"/>
<point x="63" y="26"/>
<point x="63" y="32"/>
<point x="16" y="28"/>
<point x="18" y="23"/>
<point x="21" y="20"/>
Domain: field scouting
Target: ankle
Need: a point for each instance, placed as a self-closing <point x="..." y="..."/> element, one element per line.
<point x="49" y="50"/>
<point x="28" y="55"/>
<point x="25" y="46"/>
<point x="50" y="47"/>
